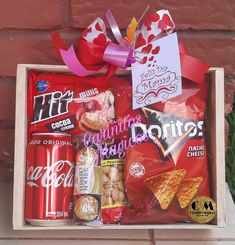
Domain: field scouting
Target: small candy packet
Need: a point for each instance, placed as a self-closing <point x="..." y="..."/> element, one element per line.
<point x="87" y="185"/>
<point x="114" y="198"/>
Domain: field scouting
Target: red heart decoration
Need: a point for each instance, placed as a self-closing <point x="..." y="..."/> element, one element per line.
<point x="154" y="17"/>
<point x="140" y="41"/>
<point x="147" y="48"/>
<point x="148" y="27"/>
<point x="100" y="40"/>
<point x="144" y="60"/>
<point x="97" y="27"/>
<point x="88" y="30"/>
<point x="156" y="50"/>
<point x="150" y="38"/>
<point x="165" y="23"/>
<point x="151" y="58"/>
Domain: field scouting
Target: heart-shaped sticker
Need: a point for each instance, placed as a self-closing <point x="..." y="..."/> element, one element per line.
<point x="165" y="23"/>
<point x="156" y="50"/>
<point x="150" y="38"/>
<point x="140" y="41"/>
<point x="97" y="27"/>
<point x="154" y="17"/>
<point x="147" y="49"/>
<point x="144" y="60"/>
<point x="100" y="40"/>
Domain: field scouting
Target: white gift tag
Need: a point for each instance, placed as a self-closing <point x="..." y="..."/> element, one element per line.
<point x="156" y="74"/>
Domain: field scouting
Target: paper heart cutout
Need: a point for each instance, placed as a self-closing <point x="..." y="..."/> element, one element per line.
<point x="154" y="17"/>
<point x="165" y="23"/>
<point x="140" y="41"/>
<point x="100" y="40"/>
<point x="148" y="27"/>
<point x="151" y="58"/>
<point x="156" y="50"/>
<point x="144" y="60"/>
<point x="150" y="38"/>
<point x="147" y="49"/>
<point x="98" y="27"/>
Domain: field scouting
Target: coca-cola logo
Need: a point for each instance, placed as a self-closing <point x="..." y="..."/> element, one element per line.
<point x="53" y="175"/>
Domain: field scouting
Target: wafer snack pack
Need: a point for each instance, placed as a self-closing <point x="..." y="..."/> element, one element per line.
<point x="68" y="104"/>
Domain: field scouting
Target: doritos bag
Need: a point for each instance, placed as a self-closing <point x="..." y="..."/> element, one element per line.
<point x="166" y="164"/>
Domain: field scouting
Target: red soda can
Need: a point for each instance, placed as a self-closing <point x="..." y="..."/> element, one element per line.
<point x="49" y="179"/>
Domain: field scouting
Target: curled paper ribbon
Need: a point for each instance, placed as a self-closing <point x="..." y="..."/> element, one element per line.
<point x="115" y="29"/>
<point x="71" y="60"/>
<point x="96" y="51"/>
<point x="118" y="55"/>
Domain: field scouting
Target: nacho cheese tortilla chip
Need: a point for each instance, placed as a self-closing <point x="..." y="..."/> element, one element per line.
<point x="165" y="186"/>
<point x="188" y="190"/>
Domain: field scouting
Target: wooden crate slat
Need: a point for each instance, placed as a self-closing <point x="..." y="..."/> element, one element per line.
<point x="216" y="106"/>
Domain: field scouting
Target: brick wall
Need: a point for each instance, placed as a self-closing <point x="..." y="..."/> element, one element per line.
<point x="206" y="27"/>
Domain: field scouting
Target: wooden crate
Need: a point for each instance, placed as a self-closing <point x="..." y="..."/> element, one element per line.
<point x="216" y="152"/>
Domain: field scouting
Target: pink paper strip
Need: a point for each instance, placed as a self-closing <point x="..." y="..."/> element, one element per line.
<point x="70" y="59"/>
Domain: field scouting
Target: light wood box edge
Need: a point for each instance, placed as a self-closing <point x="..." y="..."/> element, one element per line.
<point x="217" y="102"/>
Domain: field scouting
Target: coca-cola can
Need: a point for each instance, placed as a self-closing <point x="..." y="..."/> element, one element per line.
<point x="49" y="179"/>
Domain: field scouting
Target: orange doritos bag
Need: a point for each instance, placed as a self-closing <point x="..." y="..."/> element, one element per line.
<point x="166" y="165"/>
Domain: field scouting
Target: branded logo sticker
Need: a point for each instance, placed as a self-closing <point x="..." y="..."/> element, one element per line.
<point x="168" y="132"/>
<point x="202" y="209"/>
<point x="42" y="85"/>
<point x="137" y="170"/>
<point x="50" y="105"/>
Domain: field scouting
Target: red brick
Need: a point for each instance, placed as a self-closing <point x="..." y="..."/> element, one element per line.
<point x="43" y="14"/>
<point x="7" y="99"/>
<point x="200" y="14"/>
<point x="32" y="48"/>
<point x="218" y="52"/>
<point x="7" y="146"/>
<point x="25" y="51"/>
